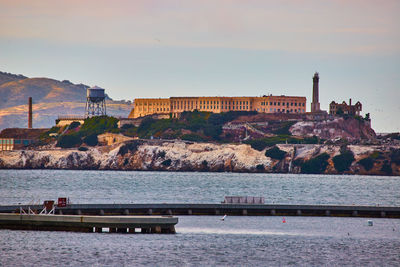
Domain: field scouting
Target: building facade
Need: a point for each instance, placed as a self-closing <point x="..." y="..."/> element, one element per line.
<point x="176" y="105"/>
<point x="343" y="108"/>
<point x="14" y="144"/>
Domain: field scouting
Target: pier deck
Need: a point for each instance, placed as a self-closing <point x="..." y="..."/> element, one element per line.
<point x="83" y="223"/>
<point x="219" y="209"/>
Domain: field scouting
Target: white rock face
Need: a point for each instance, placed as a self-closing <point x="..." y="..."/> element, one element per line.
<point x="181" y="156"/>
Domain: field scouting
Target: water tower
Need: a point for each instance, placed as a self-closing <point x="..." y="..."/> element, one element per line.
<point x="95" y="102"/>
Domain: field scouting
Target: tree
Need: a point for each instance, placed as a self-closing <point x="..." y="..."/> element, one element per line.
<point x="343" y="161"/>
<point x="275" y="153"/>
<point x="315" y="165"/>
<point x="91" y="140"/>
<point x="68" y="141"/>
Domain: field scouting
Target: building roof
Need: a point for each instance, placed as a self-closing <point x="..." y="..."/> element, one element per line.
<point x="22" y="133"/>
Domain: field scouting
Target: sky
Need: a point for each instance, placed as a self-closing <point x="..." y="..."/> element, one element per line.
<point x="213" y="48"/>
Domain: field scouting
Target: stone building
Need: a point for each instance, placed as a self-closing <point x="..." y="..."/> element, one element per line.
<point x="343" y="108"/>
<point x="177" y="105"/>
<point x="19" y="138"/>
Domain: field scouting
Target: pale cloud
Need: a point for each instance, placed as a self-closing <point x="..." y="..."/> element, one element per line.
<point x="318" y="26"/>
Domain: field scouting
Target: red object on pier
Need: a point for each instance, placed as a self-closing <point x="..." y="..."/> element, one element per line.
<point x="62" y="202"/>
<point x="48" y="204"/>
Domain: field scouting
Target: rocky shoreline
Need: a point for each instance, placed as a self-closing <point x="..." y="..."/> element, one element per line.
<point x="191" y="156"/>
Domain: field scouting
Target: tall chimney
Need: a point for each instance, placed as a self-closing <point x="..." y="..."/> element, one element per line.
<point x="350" y="102"/>
<point x="30" y="113"/>
<point x="315" y="107"/>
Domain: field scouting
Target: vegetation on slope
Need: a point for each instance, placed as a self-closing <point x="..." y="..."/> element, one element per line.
<point x="87" y="133"/>
<point x="191" y="126"/>
<point x="315" y="165"/>
<point x="343" y="161"/>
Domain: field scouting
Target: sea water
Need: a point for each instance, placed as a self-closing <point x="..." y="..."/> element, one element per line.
<point x="207" y="240"/>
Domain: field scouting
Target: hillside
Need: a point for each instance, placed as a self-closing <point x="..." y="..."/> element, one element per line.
<point x="51" y="98"/>
<point x="16" y="91"/>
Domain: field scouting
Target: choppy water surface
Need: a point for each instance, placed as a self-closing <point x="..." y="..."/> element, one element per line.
<point x="206" y="240"/>
<point x="28" y="186"/>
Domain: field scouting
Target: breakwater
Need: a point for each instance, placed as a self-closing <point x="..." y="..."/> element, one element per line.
<point x="219" y="209"/>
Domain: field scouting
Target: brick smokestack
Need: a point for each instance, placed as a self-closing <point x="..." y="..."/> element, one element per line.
<point x="30" y="113"/>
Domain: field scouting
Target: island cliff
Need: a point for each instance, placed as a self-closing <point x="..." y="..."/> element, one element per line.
<point x="157" y="155"/>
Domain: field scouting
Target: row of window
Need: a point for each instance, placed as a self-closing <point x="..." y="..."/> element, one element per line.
<point x="153" y="109"/>
<point x="151" y="104"/>
<point x="14" y="141"/>
<point x="281" y="110"/>
<point x="265" y="103"/>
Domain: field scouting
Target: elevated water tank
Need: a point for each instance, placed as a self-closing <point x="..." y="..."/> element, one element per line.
<point x="95" y="94"/>
<point x="95" y="102"/>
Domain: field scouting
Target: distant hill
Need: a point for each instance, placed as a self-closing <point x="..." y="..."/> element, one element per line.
<point x="9" y="77"/>
<point x="16" y="89"/>
<point x="50" y="99"/>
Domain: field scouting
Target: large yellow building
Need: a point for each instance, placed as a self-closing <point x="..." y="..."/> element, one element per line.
<point x="176" y="105"/>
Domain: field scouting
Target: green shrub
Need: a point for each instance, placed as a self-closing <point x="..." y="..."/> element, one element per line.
<point x="343" y="161"/>
<point x="367" y="163"/>
<point x="98" y="125"/>
<point x="161" y="154"/>
<point x="284" y="129"/>
<point x="275" y="153"/>
<point x="131" y="147"/>
<point x="74" y="125"/>
<point x="68" y="141"/>
<point x="91" y="140"/>
<point x="298" y="162"/>
<point x="386" y="168"/>
<point x="395" y="156"/>
<point x="166" y="162"/>
<point x="204" y="165"/>
<point x="193" y="137"/>
<point x="311" y="140"/>
<point x="315" y="165"/>
<point x="53" y="129"/>
<point x="376" y="155"/>
<point x="128" y="126"/>
<point x="260" y="167"/>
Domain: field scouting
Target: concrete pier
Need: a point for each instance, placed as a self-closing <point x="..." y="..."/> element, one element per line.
<point x="220" y="209"/>
<point x="83" y="223"/>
